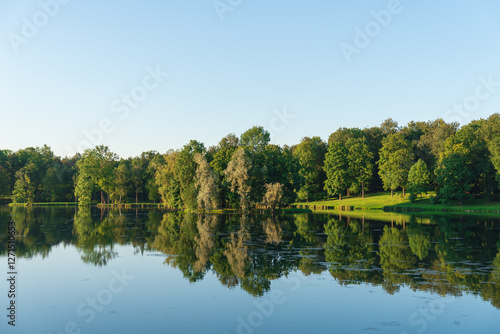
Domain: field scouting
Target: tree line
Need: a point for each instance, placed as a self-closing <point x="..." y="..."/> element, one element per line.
<point x="244" y="172"/>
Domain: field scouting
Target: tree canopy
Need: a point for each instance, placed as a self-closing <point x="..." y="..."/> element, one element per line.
<point x="458" y="163"/>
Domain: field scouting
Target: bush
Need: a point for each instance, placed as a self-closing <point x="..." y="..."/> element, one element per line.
<point x="443" y="200"/>
<point x="433" y="200"/>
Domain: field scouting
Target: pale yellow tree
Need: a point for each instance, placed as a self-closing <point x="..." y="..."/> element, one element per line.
<point x="237" y="173"/>
<point x="206" y="182"/>
<point x="273" y="195"/>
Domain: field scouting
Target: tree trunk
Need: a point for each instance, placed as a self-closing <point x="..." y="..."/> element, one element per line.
<point x="362" y="190"/>
<point x="392" y="192"/>
<point x="136" y="197"/>
<point x="102" y="198"/>
<point x="340" y="197"/>
<point x="403" y="192"/>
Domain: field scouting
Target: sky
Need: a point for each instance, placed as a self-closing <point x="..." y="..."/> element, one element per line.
<point x="152" y="75"/>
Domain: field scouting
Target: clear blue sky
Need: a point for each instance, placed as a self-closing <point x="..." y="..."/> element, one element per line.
<point x="228" y="75"/>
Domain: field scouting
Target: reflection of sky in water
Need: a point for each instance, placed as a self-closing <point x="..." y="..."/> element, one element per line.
<point x="159" y="298"/>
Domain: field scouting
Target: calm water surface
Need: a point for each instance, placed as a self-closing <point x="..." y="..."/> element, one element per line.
<point x="150" y="271"/>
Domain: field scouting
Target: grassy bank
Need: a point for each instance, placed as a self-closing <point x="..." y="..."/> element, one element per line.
<point x="473" y="206"/>
<point x="398" y="203"/>
<point x="375" y="201"/>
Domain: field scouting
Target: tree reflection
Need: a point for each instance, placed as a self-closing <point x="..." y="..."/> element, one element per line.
<point x="444" y="255"/>
<point x="350" y="252"/>
<point x="418" y="239"/>
<point x="396" y="258"/>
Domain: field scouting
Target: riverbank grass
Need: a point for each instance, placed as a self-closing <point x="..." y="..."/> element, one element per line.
<point x="384" y="201"/>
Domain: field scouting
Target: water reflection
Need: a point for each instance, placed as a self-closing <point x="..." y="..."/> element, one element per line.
<point x="444" y="255"/>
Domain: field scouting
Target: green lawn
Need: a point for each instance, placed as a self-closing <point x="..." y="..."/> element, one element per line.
<point x="375" y="201"/>
<point x="379" y="201"/>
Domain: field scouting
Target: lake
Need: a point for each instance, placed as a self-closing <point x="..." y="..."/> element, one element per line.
<point x="89" y="270"/>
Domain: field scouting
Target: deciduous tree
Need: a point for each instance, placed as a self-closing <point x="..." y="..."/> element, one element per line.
<point x="206" y="181"/>
<point x="237" y="173"/>
<point x="396" y="159"/>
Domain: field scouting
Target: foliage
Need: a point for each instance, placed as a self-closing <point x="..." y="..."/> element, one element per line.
<point x="337" y="169"/>
<point x="255" y="139"/>
<point x="4" y="182"/>
<point x="25" y="189"/>
<point x="165" y="180"/>
<point x="185" y="173"/>
<point x="95" y="169"/>
<point x="464" y="167"/>
<point x="395" y="161"/>
<point x="310" y="154"/>
<point x="237" y="173"/>
<point x="461" y="163"/>
<point x="273" y="195"/>
<point x="206" y="181"/>
<point x="120" y="189"/>
<point x="418" y="178"/>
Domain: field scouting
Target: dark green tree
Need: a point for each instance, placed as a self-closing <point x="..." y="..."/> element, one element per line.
<point x="336" y="167"/>
<point x="310" y="154"/>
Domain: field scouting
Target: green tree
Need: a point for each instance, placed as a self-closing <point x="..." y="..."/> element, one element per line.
<point x="95" y="168"/>
<point x="310" y="154"/>
<point x="432" y="141"/>
<point x="255" y="139"/>
<point x="418" y="179"/>
<point x="24" y="188"/>
<point x="374" y="138"/>
<point x="41" y="159"/>
<point x="84" y="188"/>
<point x="389" y="127"/>
<point x="465" y="167"/>
<point x="291" y="177"/>
<point x="344" y="134"/>
<point x="137" y="173"/>
<point x="337" y="169"/>
<point x="282" y="167"/>
<point x="185" y="173"/>
<point x="491" y="133"/>
<point x="152" y="188"/>
<point x="453" y="174"/>
<point x="51" y="185"/>
<point x="255" y="142"/>
<point x="359" y="161"/>
<point x="167" y="183"/>
<point x="395" y="161"/>
<point x="4" y="182"/>
<point x="221" y="157"/>
<point x="121" y="176"/>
